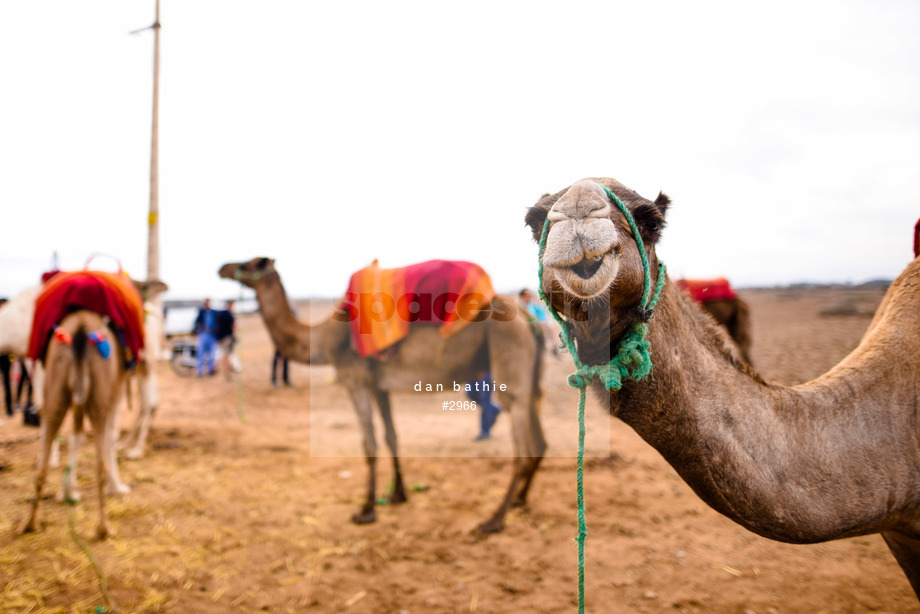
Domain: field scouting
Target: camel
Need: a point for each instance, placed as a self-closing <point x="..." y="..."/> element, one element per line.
<point x="15" y="324"/>
<point x="146" y="372"/>
<point x="79" y="376"/>
<point x="7" y="361"/>
<point x="832" y="458"/>
<point x="732" y="313"/>
<point x="509" y="349"/>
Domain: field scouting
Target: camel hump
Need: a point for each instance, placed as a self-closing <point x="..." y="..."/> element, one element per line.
<point x="705" y="290"/>
<point x="381" y="303"/>
<point x="917" y="239"/>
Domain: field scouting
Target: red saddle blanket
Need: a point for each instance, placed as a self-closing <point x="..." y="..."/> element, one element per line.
<point x="107" y="294"/>
<point x="380" y="304"/>
<point x="705" y="290"/>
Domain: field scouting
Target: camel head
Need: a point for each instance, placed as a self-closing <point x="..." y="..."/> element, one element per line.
<point x="248" y="273"/>
<point x="591" y="256"/>
<point x="150" y="289"/>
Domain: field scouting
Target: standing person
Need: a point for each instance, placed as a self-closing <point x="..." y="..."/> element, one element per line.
<point x="483" y="399"/>
<point x="224" y="335"/>
<point x="205" y="325"/>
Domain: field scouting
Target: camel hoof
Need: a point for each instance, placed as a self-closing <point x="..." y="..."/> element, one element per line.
<point x="29" y="528"/>
<point x="102" y="532"/>
<point x="491" y="526"/>
<point x="134" y="454"/>
<point x="397" y="497"/>
<point x="364" y="517"/>
<point x="118" y="489"/>
<point x="73" y="497"/>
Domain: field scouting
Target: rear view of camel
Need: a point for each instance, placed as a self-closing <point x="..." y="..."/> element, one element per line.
<point x="87" y="332"/>
<point x="509" y="349"/>
<point x="835" y="457"/>
<point x="78" y="375"/>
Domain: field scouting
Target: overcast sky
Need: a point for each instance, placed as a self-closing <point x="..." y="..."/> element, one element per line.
<point x="327" y="134"/>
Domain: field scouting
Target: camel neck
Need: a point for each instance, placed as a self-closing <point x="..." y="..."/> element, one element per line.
<point x="778" y="460"/>
<point x="289" y="335"/>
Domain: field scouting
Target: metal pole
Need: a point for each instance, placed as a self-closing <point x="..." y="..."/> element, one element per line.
<point x="153" y="222"/>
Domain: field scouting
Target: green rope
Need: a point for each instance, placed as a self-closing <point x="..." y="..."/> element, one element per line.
<point x="103" y="584"/>
<point x="632" y="361"/>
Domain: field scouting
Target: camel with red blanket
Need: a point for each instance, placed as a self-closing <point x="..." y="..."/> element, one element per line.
<point x="88" y="332"/>
<point x="377" y="350"/>
<point x="718" y="299"/>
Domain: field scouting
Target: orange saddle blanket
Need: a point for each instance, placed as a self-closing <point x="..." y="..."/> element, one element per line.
<point x="380" y="304"/>
<point x="108" y="294"/>
<point x="705" y="290"/>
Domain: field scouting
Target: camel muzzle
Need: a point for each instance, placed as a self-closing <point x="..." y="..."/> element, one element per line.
<point x="587" y="268"/>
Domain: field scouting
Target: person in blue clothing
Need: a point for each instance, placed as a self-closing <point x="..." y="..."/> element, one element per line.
<point x="537" y="311"/>
<point x="488" y="410"/>
<point x="206" y="328"/>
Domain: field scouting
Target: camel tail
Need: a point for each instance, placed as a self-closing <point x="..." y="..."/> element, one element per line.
<point x="80" y="383"/>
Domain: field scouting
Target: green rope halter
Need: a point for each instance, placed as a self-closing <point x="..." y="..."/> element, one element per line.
<point x="632" y="361"/>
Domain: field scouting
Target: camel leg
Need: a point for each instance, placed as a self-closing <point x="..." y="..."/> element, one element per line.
<point x="906" y="551"/>
<point x="383" y="402"/>
<point x="497" y="522"/>
<point x="7" y="388"/>
<point x="530" y="446"/>
<point x="102" y="471"/>
<point x="24" y="380"/>
<point x="114" y="485"/>
<point x="54" y="458"/>
<point x="69" y="491"/>
<point x="49" y="428"/>
<point x="520" y="401"/>
<point x="362" y="402"/>
<point x="37" y="384"/>
<point x="149" y="401"/>
<point x="529" y="470"/>
<point x="102" y="421"/>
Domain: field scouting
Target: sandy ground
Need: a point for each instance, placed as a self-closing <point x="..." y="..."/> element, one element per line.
<point x="228" y="515"/>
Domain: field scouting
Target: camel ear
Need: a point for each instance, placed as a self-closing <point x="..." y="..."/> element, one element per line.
<point x="149" y="289"/>
<point x="156" y="288"/>
<point x="536" y="215"/>
<point x="650" y="218"/>
<point x="662" y="203"/>
<point x="264" y="263"/>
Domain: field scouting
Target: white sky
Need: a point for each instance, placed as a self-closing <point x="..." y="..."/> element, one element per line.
<point x="325" y="134"/>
